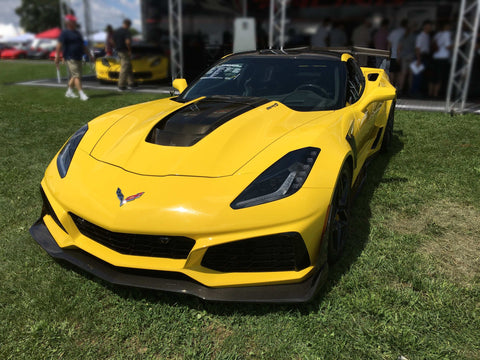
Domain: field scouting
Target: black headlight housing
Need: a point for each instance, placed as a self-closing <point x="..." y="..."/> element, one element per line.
<point x="66" y="154"/>
<point x="284" y="178"/>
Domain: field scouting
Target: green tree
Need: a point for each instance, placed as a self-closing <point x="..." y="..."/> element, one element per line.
<point x="39" y="15"/>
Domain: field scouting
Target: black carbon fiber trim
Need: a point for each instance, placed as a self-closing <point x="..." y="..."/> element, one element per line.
<point x="179" y="283"/>
<point x="191" y="123"/>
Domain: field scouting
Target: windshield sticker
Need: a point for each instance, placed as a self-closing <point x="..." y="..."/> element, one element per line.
<point x="224" y="72"/>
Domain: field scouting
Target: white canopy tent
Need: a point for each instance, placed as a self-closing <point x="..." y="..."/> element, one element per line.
<point x="23" y="38"/>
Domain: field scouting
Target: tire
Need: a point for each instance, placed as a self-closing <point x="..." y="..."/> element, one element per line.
<point x="388" y="134"/>
<point x="339" y="215"/>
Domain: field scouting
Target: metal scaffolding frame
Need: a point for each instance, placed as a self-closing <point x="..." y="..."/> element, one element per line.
<point x="176" y="38"/>
<point x="88" y="22"/>
<point x="463" y="56"/>
<point x="276" y="28"/>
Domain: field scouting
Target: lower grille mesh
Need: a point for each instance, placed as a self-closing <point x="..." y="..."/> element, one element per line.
<point x="172" y="247"/>
<point x="279" y="252"/>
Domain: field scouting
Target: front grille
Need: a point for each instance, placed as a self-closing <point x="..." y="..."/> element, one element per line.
<point x="142" y="75"/>
<point x="172" y="247"/>
<point x="113" y="74"/>
<point x="279" y="252"/>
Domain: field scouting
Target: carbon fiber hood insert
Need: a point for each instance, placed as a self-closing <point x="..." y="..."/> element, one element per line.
<point x="188" y="125"/>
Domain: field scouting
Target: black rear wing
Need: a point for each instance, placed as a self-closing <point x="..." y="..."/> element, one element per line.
<point x="366" y="57"/>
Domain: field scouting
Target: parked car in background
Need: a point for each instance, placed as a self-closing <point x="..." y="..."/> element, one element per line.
<point x="148" y="64"/>
<point x="41" y="48"/>
<point x="2" y="46"/>
<point x="14" y="51"/>
<point x="52" y="55"/>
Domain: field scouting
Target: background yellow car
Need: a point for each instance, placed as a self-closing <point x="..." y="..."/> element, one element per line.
<point x="238" y="189"/>
<point x="149" y="64"/>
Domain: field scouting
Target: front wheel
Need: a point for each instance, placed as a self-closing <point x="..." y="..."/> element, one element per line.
<point x="339" y="216"/>
<point x="388" y="134"/>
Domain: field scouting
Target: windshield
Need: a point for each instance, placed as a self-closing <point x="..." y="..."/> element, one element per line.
<point x="303" y="83"/>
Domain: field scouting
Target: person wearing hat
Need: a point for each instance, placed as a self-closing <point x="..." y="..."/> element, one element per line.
<point x="71" y="43"/>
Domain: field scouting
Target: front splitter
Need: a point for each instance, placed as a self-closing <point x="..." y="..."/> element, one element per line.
<point x="177" y="282"/>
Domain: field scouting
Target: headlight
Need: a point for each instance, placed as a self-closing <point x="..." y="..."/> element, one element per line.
<point x="66" y="154"/>
<point x="105" y="62"/>
<point x="280" y="180"/>
<point x="156" y="62"/>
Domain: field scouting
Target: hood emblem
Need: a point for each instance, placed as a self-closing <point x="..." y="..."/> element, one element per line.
<point x="124" y="200"/>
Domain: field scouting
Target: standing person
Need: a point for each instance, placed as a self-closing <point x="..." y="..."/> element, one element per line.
<point x="441" y="59"/>
<point x="394" y="40"/>
<point x="423" y="56"/>
<point x="71" y="43"/>
<point x="123" y="44"/>
<point x="362" y="34"/>
<point x="337" y="36"/>
<point x="109" y="40"/>
<point x="407" y="51"/>
<point x="380" y="38"/>
<point x="362" y="37"/>
<point x="320" y="38"/>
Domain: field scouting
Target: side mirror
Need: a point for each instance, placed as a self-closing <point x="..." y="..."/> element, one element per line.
<point x="379" y="94"/>
<point x="180" y="84"/>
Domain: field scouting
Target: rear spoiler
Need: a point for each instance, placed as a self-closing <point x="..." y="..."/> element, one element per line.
<point x="366" y="57"/>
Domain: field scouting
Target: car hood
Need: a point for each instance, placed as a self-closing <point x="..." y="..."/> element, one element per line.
<point x="209" y="137"/>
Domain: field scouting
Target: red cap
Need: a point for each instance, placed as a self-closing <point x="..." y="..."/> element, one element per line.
<point x="70" y="17"/>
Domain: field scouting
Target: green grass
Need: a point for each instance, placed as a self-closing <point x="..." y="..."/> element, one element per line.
<point x="408" y="283"/>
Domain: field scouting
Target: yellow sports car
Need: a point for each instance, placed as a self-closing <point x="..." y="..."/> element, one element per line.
<point x="148" y="65"/>
<point x="238" y="189"/>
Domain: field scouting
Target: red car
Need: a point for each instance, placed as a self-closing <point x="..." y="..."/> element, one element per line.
<point x="14" y="53"/>
<point x="52" y="55"/>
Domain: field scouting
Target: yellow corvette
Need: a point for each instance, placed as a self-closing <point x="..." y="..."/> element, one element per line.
<point x="238" y="189"/>
<point x="148" y="65"/>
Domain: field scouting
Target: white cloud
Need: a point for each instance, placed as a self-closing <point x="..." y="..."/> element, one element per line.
<point x="104" y="12"/>
<point x="7" y="31"/>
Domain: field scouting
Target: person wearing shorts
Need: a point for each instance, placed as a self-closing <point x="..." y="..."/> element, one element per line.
<point x="123" y="44"/>
<point x="70" y="42"/>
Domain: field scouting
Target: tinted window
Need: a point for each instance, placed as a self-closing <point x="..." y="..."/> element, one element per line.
<point x="355" y="81"/>
<point x="303" y="83"/>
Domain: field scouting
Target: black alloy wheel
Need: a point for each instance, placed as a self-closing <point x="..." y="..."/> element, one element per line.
<point x="339" y="214"/>
<point x="388" y="134"/>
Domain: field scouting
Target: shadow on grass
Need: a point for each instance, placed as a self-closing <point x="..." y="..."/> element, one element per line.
<point x="104" y="95"/>
<point x="358" y="237"/>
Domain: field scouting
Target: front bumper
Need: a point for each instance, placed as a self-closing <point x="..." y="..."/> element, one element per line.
<point x="178" y="282"/>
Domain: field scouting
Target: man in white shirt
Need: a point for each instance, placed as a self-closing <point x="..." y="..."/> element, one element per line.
<point x="422" y="50"/>
<point x="394" y="42"/>
<point x="441" y="58"/>
<point x="319" y="39"/>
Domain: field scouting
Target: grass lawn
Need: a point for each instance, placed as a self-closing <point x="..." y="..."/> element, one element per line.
<point x="408" y="284"/>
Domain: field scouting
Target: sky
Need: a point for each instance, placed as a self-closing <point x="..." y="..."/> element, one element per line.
<point x="103" y="12"/>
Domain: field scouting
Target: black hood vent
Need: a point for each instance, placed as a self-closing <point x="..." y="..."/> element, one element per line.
<point x="190" y="124"/>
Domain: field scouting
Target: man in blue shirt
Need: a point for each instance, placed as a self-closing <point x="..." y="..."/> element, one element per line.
<point x="71" y="42"/>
